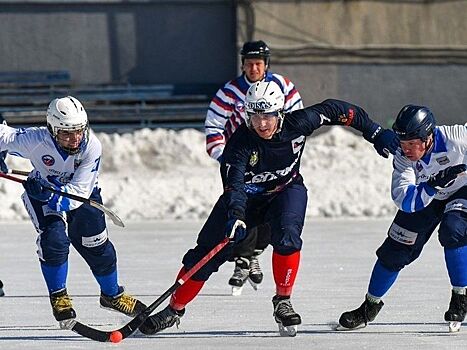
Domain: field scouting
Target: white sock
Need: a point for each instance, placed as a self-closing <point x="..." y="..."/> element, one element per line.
<point x="372" y="298"/>
<point x="459" y="290"/>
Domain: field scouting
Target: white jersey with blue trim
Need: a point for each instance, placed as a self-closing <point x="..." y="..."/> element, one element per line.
<point x="76" y="174"/>
<point x="409" y="189"/>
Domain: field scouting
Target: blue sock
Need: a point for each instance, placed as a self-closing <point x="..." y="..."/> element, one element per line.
<point x="108" y="283"/>
<point x="381" y="280"/>
<point x="456" y="263"/>
<point x="55" y="276"/>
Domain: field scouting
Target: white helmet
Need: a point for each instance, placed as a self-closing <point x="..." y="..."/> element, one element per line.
<point x="67" y="113"/>
<point x="265" y="97"/>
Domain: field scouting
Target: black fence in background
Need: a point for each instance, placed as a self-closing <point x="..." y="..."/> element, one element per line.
<point x="111" y="107"/>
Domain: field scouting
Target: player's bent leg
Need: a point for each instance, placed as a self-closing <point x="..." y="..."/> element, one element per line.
<point x="453" y="237"/>
<point x="171" y="315"/>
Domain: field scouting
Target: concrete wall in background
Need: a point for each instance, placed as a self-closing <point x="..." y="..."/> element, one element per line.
<point x="379" y="54"/>
<point x="140" y="42"/>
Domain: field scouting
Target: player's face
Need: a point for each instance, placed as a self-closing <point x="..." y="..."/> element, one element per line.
<point x="415" y="149"/>
<point x="265" y="125"/>
<point x="70" y="139"/>
<point x="254" y="69"/>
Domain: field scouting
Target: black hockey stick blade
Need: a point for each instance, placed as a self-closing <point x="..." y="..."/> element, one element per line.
<point x="133" y="325"/>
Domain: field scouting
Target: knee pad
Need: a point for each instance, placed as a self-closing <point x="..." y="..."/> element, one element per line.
<point x="394" y="255"/>
<point x="285" y="233"/>
<point x="453" y="226"/>
<point x="53" y="244"/>
<point x="101" y="258"/>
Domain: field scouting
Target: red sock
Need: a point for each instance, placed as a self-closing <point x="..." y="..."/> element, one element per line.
<point x="285" y="268"/>
<point x="186" y="292"/>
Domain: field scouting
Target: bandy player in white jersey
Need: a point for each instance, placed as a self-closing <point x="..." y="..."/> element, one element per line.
<point x="66" y="155"/>
<point x="429" y="187"/>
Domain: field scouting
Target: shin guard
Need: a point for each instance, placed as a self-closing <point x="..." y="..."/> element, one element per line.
<point x="285" y="268"/>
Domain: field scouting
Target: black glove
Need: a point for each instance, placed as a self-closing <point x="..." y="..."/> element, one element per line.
<point x="37" y="189"/>
<point x="235" y="228"/>
<point x="385" y="141"/>
<point x="446" y="176"/>
<point x="3" y="166"/>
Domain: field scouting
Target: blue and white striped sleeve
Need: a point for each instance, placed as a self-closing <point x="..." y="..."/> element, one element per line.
<point x="406" y="193"/>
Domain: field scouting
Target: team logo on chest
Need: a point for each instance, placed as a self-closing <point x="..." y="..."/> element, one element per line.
<point x="297" y="144"/>
<point x="48" y="160"/>
<point x="254" y="158"/>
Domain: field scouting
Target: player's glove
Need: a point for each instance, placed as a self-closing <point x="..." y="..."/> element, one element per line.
<point x="385" y="141"/>
<point x="37" y="188"/>
<point x="235" y="228"/>
<point x="3" y="166"/>
<point x="446" y="176"/>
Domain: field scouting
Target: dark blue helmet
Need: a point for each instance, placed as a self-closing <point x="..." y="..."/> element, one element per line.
<point x="255" y="49"/>
<point x="414" y="122"/>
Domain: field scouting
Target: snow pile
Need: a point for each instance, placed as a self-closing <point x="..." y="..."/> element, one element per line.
<point x="166" y="174"/>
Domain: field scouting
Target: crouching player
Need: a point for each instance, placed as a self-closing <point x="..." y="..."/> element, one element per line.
<point x="429" y="190"/>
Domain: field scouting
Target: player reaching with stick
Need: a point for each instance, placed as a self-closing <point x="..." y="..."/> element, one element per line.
<point x="429" y="191"/>
<point x="262" y="184"/>
<point x="225" y="114"/>
<point x="66" y="156"/>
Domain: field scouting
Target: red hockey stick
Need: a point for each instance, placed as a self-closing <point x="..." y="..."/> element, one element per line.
<point x="132" y="326"/>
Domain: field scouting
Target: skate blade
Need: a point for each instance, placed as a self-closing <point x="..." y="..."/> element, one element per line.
<point x="341" y="328"/>
<point x="237" y="291"/>
<point x="454" y="326"/>
<point x="67" y="324"/>
<point x="253" y="284"/>
<point x="287" y="331"/>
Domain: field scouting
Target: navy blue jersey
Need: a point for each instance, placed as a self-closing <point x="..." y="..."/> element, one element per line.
<point x="254" y="166"/>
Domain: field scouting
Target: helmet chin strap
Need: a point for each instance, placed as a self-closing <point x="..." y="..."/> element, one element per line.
<point x="429" y="144"/>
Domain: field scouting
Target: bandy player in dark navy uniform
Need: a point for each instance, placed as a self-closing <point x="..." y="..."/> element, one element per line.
<point x="262" y="184"/>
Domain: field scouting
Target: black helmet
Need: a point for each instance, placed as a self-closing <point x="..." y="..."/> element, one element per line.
<point x="414" y="122"/>
<point x="255" y="49"/>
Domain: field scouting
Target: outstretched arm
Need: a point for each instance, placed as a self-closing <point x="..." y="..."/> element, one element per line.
<point x="336" y="112"/>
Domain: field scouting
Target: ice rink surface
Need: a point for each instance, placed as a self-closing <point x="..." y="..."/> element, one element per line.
<point x="337" y="259"/>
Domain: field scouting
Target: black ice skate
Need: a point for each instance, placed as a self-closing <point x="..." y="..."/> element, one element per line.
<point x="287" y="319"/>
<point x="162" y="320"/>
<point x="62" y="308"/>
<point x="360" y="317"/>
<point x="256" y="275"/>
<point x="240" y="275"/>
<point x="122" y="302"/>
<point x="2" y="293"/>
<point x="456" y="312"/>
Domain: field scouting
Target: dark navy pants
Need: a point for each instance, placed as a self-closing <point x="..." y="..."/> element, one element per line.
<point x="284" y="212"/>
<point x="84" y="228"/>
<point x="409" y="232"/>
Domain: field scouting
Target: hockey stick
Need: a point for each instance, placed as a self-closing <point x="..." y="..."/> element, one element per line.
<point x="127" y="330"/>
<point x="18" y="172"/>
<point x="115" y="219"/>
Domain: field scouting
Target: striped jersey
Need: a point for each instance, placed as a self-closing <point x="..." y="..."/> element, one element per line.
<point x="76" y="174"/>
<point x="226" y="111"/>
<point x="409" y="189"/>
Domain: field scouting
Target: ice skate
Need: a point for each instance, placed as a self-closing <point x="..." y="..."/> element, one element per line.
<point x="287" y="319"/>
<point x="360" y="317"/>
<point x="122" y="302"/>
<point x="255" y="276"/>
<point x="162" y="320"/>
<point x="62" y="308"/>
<point x="456" y="312"/>
<point x="240" y="275"/>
